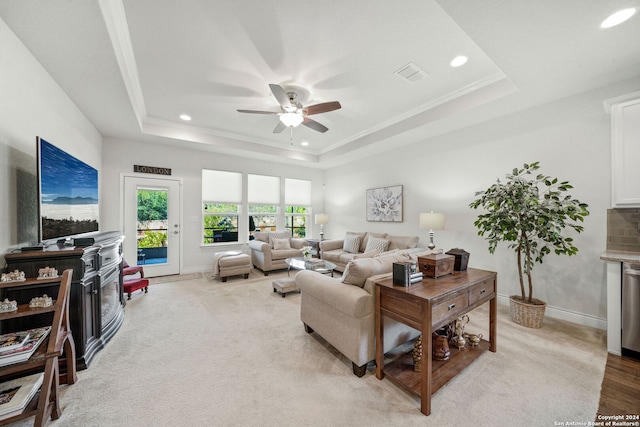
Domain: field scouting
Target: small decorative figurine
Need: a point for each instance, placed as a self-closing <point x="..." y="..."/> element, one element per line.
<point x="14" y="276"/>
<point x="458" y="338"/>
<point x="6" y="306"/>
<point x="43" y="301"/>
<point x="47" y="272"/>
<point x="473" y="339"/>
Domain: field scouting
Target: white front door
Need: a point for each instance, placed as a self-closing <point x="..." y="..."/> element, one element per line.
<point x="151" y="224"/>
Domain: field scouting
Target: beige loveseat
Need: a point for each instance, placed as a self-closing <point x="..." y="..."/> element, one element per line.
<point x="342" y="310"/>
<point x="355" y="245"/>
<point x="270" y="249"/>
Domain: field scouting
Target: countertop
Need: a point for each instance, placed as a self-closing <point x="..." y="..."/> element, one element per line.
<point x="621" y="256"/>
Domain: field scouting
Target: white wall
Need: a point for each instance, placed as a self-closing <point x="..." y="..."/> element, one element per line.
<point x="119" y="156"/>
<point x="571" y="140"/>
<point x="31" y="105"/>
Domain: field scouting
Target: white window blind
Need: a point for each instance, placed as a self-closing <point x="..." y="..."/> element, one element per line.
<point x="263" y="190"/>
<point x="297" y="192"/>
<point x="221" y="186"/>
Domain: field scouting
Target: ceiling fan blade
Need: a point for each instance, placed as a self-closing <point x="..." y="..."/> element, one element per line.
<point x="257" y="112"/>
<point x="279" y="127"/>
<point x="280" y="95"/>
<point x="314" y="125"/>
<point x="325" y="107"/>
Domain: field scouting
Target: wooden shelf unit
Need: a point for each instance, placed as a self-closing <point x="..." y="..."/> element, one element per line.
<point x="96" y="300"/>
<point x="427" y="306"/>
<point x="45" y="403"/>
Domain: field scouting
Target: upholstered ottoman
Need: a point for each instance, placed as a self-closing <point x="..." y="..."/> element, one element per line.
<point x="284" y="286"/>
<point x="233" y="264"/>
<point x="133" y="285"/>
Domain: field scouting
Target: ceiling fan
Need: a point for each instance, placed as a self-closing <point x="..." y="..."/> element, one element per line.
<point x="293" y="113"/>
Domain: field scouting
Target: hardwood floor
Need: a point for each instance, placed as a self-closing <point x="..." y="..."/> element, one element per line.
<point x="620" y="393"/>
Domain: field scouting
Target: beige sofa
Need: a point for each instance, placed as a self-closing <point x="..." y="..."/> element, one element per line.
<point x="270" y="249"/>
<point x="342" y="310"/>
<point x="356" y="244"/>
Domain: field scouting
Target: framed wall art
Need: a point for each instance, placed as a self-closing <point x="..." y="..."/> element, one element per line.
<point x="385" y="204"/>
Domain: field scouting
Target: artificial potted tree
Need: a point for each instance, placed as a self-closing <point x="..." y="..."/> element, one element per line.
<point x="530" y="212"/>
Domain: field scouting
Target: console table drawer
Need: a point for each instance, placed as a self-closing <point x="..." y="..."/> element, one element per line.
<point x="109" y="256"/>
<point x="481" y="291"/>
<point x="449" y="308"/>
<point x="410" y="307"/>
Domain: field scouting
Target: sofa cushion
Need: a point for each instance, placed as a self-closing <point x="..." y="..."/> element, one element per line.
<point x="369" y="254"/>
<point x="402" y="242"/>
<point x="359" y="270"/>
<point x="345" y="257"/>
<point x="376" y="244"/>
<point x="332" y="256"/>
<point x="277" y="254"/>
<point x="351" y="243"/>
<point x="281" y="244"/>
<point x="279" y="235"/>
<point x="262" y="236"/>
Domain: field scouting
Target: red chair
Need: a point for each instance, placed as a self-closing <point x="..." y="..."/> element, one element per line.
<point x="133" y="284"/>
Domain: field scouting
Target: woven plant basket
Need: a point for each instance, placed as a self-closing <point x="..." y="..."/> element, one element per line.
<point x="527" y="314"/>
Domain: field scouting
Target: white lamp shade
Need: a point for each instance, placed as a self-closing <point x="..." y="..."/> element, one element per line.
<point x="432" y="221"/>
<point x="291" y="119"/>
<point x="322" y="219"/>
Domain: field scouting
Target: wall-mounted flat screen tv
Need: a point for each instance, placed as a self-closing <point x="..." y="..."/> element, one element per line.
<point x="68" y="193"/>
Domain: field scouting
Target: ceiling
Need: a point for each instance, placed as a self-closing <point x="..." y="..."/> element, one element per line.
<point x="134" y="66"/>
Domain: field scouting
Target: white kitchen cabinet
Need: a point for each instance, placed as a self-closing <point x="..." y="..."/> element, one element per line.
<point x="625" y="150"/>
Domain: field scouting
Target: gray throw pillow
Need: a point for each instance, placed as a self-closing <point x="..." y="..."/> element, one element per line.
<point x="351" y="244"/>
<point x="376" y="244"/>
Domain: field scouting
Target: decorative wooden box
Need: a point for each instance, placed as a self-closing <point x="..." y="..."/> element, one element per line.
<point x="436" y="265"/>
<point x="462" y="258"/>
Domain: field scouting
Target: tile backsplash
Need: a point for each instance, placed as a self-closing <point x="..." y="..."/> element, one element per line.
<point x="623" y="230"/>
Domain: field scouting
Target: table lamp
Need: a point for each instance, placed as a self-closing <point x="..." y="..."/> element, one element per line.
<point x="431" y="221"/>
<point x="322" y="219"/>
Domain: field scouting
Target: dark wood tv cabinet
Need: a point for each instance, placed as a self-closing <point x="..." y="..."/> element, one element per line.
<point x="96" y="303"/>
<point x="427" y="306"/>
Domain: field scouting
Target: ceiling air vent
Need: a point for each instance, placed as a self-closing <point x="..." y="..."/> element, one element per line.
<point x="411" y="73"/>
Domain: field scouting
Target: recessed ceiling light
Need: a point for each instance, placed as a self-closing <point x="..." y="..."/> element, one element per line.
<point x="304" y="143"/>
<point x="618" y="18"/>
<point x="458" y="61"/>
<point x="185" y="117"/>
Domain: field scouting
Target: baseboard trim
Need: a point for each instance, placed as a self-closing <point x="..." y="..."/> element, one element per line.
<point x="568" y="315"/>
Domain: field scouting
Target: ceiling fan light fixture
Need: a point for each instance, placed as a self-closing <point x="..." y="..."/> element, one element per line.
<point x="291" y="119"/>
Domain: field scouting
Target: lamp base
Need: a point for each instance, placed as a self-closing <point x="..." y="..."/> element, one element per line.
<point x="431" y="245"/>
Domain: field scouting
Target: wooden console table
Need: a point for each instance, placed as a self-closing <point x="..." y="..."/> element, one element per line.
<point x="427" y="306"/>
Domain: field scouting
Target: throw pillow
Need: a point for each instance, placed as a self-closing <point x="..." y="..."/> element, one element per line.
<point x="365" y="239"/>
<point x="376" y="244"/>
<point x="358" y="271"/>
<point x="362" y="236"/>
<point x="278" y="235"/>
<point x="351" y="244"/>
<point x="281" y="244"/>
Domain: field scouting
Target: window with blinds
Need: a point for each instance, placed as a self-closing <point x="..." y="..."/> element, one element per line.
<point x="221" y="205"/>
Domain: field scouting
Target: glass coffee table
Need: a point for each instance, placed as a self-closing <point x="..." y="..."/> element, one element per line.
<point x="315" y="264"/>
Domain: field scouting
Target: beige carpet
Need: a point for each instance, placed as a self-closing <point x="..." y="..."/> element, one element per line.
<point x="201" y="352"/>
